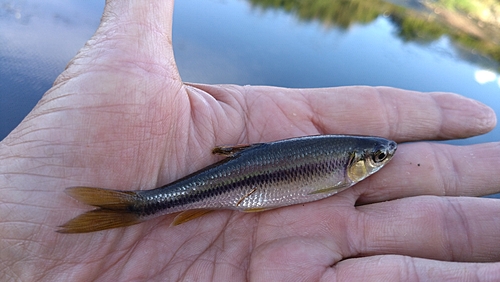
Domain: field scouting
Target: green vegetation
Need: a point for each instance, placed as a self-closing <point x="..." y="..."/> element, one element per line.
<point x="341" y="13"/>
<point x="466" y="6"/>
<point x="412" y="25"/>
<point x="484" y="10"/>
<point x="417" y="28"/>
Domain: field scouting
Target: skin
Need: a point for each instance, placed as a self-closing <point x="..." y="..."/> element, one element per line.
<point x="121" y="117"/>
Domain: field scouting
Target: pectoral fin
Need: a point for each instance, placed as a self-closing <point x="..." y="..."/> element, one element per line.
<point x="326" y="190"/>
<point x="186" y="216"/>
<point x="339" y="186"/>
<point x="247" y="195"/>
<point x="255" y="209"/>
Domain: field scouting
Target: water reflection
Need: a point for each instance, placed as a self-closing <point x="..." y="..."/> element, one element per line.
<point x="473" y="33"/>
<point x="307" y="43"/>
<point x="36" y="42"/>
<point x="485" y="76"/>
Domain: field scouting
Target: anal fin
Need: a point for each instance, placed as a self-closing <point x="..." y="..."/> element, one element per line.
<point x="188" y="215"/>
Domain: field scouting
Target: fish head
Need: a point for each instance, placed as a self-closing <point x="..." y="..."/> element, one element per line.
<point x="368" y="159"/>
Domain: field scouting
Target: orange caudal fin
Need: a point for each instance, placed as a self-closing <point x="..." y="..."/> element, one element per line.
<point x="103" y="198"/>
<point x="113" y="210"/>
<point x="98" y="220"/>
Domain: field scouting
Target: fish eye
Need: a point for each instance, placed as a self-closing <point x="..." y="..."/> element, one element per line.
<point x="379" y="156"/>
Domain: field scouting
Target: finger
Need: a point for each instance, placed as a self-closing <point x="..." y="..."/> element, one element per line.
<point x="402" y="268"/>
<point x="274" y="113"/>
<point x="133" y="34"/>
<point x="442" y="228"/>
<point x="398" y="114"/>
<point x="435" y="169"/>
<point x="403" y="115"/>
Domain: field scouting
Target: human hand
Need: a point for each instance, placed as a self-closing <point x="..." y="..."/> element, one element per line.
<point x="120" y="117"/>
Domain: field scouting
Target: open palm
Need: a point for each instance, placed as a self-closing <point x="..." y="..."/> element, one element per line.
<point x="120" y="117"/>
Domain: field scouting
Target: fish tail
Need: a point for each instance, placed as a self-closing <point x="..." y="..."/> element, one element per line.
<point x="114" y="210"/>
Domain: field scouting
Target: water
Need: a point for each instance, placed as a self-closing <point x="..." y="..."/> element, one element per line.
<point x="250" y="42"/>
<point x="37" y="40"/>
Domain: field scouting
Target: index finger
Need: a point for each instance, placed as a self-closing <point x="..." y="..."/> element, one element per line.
<point x="398" y="114"/>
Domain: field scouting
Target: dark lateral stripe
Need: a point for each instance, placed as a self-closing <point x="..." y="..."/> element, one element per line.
<point x="296" y="174"/>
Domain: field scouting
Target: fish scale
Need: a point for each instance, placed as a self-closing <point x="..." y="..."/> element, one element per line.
<point x="251" y="178"/>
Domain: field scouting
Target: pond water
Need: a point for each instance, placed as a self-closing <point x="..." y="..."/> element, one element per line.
<point x="257" y="42"/>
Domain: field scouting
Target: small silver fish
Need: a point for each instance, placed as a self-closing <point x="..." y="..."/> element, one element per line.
<point x="251" y="178"/>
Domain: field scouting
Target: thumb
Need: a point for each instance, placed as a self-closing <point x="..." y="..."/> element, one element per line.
<point x="133" y="34"/>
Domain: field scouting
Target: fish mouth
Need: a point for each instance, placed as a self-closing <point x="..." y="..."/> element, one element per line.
<point x="388" y="149"/>
<point x="392" y="147"/>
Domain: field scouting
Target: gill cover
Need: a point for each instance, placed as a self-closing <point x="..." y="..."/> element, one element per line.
<point x="362" y="165"/>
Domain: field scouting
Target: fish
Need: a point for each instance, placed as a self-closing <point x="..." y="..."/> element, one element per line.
<point x="251" y="178"/>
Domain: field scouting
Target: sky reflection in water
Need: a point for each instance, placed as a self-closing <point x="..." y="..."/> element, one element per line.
<point x="234" y="42"/>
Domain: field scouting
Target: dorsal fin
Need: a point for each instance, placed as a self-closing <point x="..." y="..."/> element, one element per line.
<point x="230" y="151"/>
